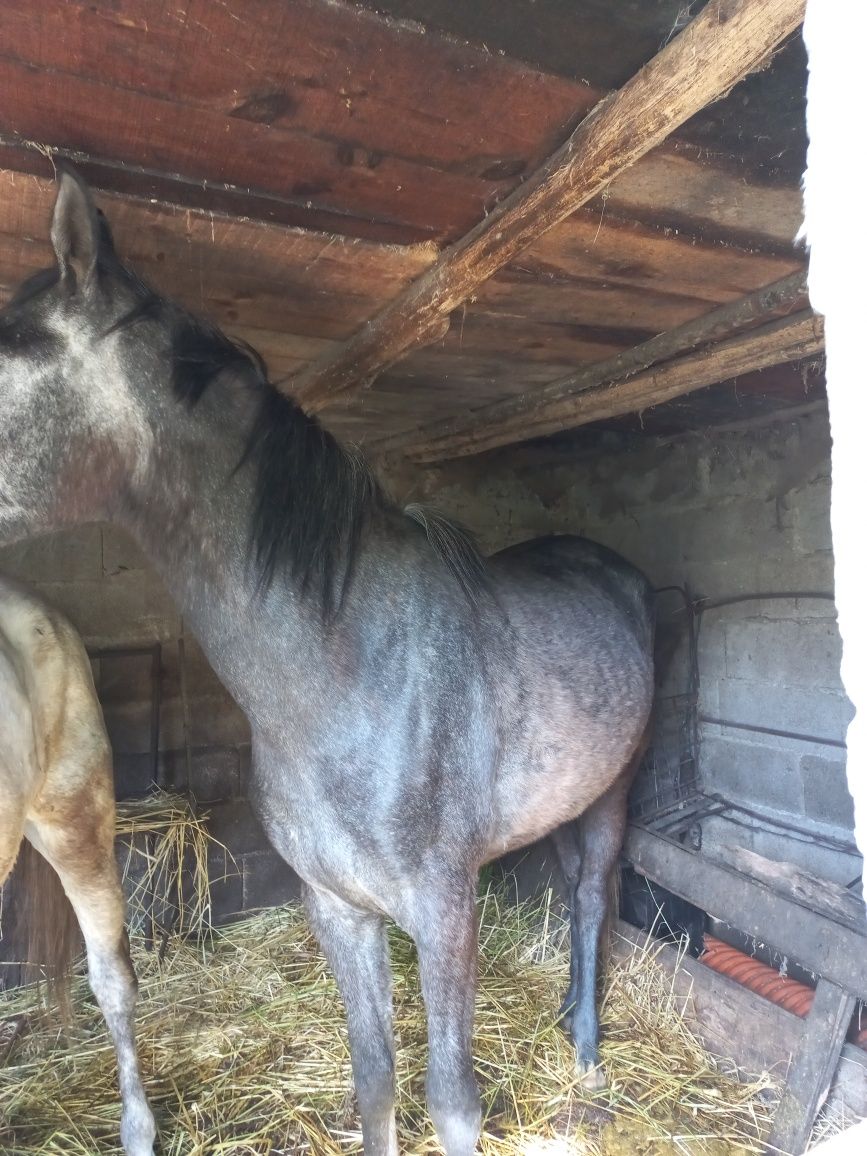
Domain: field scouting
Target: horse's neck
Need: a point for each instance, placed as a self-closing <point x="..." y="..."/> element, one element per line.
<point x="194" y="527"/>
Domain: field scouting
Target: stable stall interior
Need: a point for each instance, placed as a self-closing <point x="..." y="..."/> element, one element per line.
<point x="289" y="169"/>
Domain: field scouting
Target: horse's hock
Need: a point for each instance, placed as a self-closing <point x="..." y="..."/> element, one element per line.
<point x="539" y="262"/>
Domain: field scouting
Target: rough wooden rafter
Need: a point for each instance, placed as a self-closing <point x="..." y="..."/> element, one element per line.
<point x="725" y="42"/>
<point x="531" y="414"/>
<point x="791" y="339"/>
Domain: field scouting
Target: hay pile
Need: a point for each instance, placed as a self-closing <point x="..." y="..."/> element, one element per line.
<point x="163" y="849"/>
<point x="244" y="1051"/>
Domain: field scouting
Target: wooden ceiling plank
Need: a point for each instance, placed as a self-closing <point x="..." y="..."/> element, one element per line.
<point x="725" y="42"/>
<point x="313" y="66"/>
<point x="614" y="251"/>
<point x="56" y="109"/>
<point x="669" y="186"/>
<point x="790" y="339"/>
<point x="504" y="420"/>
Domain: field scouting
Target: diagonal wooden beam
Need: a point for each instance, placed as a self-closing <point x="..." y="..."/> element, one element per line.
<point x="515" y="419"/>
<point x="790" y="339"/>
<point x="726" y="41"/>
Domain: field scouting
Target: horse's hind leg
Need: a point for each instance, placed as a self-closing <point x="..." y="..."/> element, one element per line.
<point x="567" y="844"/>
<point x="446" y="937"/>
<point x="602" y="829"/>
<point x="355" y="945"/>
<point x="81" y="851"/>
<point x="11" y="831"/>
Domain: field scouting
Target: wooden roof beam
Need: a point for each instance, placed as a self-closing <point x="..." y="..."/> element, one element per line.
<point x="557" y="406"/>
<point x="726" y="41"/>
<point x="790" y="339"/>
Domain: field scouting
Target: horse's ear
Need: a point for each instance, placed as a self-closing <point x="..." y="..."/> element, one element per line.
<point x="75" y="231"/>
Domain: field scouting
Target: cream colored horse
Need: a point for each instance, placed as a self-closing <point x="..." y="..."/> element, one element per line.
<point x="57" y="794"/>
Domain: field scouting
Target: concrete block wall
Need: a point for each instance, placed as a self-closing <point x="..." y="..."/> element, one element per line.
<point x="97" y="576"/>
<point x="725" y="513"/>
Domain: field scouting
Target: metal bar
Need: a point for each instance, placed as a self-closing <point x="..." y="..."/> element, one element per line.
<point x="778" y="731"/>
<point x="156" y="696"/>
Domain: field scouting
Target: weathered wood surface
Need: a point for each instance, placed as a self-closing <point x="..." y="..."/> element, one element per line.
<point x="740" y="1027"/>
<point x="293" y="294"/>
<point x="724" y="43"/>
<point x="763" y="123"/>
<point x="510" y="418"/>
<point x="669" y="188"/>
<point x="307" y="113"/>
<point x="285" y="114"/>
<point x="319" y="104"/>
<point x="824" y="947"/>
<point x="789" y="339"/>
<point x="809" y="1080"/>
<point x="789" y="879"/>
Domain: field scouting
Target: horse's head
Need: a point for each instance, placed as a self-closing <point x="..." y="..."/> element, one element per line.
<point x="71" y="428"/>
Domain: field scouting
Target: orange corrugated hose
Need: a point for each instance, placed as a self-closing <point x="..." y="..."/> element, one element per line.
<point x="766" y="981"/>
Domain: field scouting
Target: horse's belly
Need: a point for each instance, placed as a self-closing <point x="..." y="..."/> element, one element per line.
<point x="550" y="784"/>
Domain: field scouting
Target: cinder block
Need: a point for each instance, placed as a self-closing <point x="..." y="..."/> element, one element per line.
<point x="121" y="552"/>
<point x="214" y="772"/>
<point x="811" y="508"/>
<point x="200" y="676"/>
<point x="789" y="570"/>
<point x="826" y="793"/>
<point x="709" y="698"/>
<point x="269" y="881"/>
<point x="126" y="609"/>
<point x="786" y="652"/>
<point x="234" y="825"/>
<point x="133" y="775"/>
<point x="245" y="754"/>
<point x="214" y="720"/>
<point x="68" y="556"/>
<point x="712" y="646"/>
<point x="749" y="772"/>
<point x="723" y="576"/>
<point x="818" y="712"/>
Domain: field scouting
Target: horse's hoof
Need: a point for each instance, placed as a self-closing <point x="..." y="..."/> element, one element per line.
<point x="590" y="1076"/>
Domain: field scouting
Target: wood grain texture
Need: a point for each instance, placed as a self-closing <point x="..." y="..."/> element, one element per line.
<point x="740" y="1027"/>
<point x="790" y="339"/>
<point x="809" y="1080"/>
<point x="502" y="421"/>
<point x="724" y="43"/>
<point x="817" y="943"/>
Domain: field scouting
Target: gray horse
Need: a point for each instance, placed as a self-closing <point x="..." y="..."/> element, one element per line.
<point x="415" y="712"/>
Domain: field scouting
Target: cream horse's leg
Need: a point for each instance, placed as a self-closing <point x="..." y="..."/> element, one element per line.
<point x="78" y="841"/>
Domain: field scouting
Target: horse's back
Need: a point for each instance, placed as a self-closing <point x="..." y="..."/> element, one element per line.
<point x="573" y="576"/>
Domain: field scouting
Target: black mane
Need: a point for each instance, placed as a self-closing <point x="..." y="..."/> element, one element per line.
<point x="313" y="498"/>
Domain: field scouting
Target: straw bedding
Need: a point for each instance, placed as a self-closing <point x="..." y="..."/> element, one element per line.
<point x="244" y="1047"/>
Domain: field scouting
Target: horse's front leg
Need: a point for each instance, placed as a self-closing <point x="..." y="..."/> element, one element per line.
<point x="445" y="933"/>
<point x="355" y="945"/>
